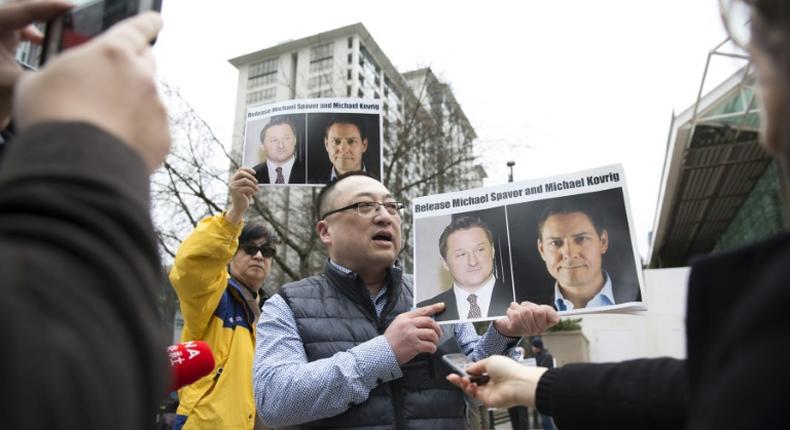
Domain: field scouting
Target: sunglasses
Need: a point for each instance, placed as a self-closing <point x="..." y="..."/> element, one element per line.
<point x="265" y="249"/>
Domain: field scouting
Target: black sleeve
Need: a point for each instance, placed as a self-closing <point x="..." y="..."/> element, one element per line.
<point x="636" y="394"/>
<point x="79" y="274"/>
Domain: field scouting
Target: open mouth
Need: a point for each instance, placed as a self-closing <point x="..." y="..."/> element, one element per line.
<point x="384" y="236"/>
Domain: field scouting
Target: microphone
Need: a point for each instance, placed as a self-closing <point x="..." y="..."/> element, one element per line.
<point x="189" y="362"/>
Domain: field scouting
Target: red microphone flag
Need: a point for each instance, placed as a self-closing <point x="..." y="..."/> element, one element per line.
<point x="190" y="361"/>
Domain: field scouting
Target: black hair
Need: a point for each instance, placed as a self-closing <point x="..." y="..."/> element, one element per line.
<point x="346" y="119"/>
<point x="323" y="200"/>
<point x="571" y="205"/>
<point x="280" y="120"/>
<point x="252" y="232"/>
<point x="462" y="223"/>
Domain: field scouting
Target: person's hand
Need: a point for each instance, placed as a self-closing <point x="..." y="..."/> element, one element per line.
<point x="16" y="18"/>
<point x="526" y="319"/>
<point x="510" y="384"/>
<point x="108" y="82"/>
<point x="243" y="186"/>
<point x="414" y="332"/>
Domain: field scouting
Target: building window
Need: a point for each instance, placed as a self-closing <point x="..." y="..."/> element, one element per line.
<point x="262" y="80"/>
<point x="350" y="42"/>
<point x="360" y="94"/>
<point x="349" y="74"/>
<point x="322" y="93"/>
<point x="256" y="96"/>
<point x="322" y="51"/>
<point x="321" y="65"/>
<point x="348" y="91"/>
<point x="262" y="72"/>
<point x="322" y="80"/>
<point x="321" y="57"/>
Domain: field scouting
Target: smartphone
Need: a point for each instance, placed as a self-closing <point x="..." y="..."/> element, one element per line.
<point x="458" y="363"/>
<point x="88" y="19"/>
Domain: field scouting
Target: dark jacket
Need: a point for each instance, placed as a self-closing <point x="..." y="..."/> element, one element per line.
<point x="421" y="399"/>
<point x="501" y="297"/>
<point x="737" y="301"/>
<point x="297" y="175"/>
<point x="80" y="277"/>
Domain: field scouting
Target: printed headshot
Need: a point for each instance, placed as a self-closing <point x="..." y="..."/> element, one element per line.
<point x="280" y="146"/>
<point x="341" y="143"/>
<point x="471" y="254"/>
<point x="583" y="246"/>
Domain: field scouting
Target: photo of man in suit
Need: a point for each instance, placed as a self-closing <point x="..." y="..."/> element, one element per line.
<point x="346" y="142"/>
<point x="279" y="140"/>
<point x="572" y="240"/>
<point x="467" y="249"/>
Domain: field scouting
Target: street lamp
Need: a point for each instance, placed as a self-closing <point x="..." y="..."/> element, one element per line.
<point x="510" y="165"/>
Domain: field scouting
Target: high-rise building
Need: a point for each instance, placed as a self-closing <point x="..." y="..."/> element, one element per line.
<point x="420" y="112"/>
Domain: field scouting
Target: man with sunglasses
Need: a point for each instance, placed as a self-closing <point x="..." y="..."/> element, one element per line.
<point x="735" y="376"/>
<point x="218" y="273"/>
<point x="346" y="349"/>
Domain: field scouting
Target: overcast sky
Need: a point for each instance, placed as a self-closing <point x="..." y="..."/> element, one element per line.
<point x="556" y="86"/>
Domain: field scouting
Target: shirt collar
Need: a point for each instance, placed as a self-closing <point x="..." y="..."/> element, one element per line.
<point x="287" y="166"/>
<point x="375" y="299"/>
<point x="343" y="269"/>
<point x="483" y="297"/>
<point x="333" y="176"/>
<point x="605" y="297"/>
<point x="249" y="296"/>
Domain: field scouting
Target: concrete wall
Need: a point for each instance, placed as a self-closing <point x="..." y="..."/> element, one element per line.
<point x="657" y="332"/>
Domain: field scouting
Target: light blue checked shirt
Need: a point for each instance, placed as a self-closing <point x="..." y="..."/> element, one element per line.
<point x="289" y="390"/>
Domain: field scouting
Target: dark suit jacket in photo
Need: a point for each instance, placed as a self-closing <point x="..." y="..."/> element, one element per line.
<point x="501" y="298"/>
<point x="297" y="173"/>
<point x="626" y="290"/>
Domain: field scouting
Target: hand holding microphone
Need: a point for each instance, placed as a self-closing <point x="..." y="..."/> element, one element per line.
<point x="189" y="361"/>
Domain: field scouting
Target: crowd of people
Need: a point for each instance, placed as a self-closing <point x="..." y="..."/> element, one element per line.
<point x="344" y="348"/>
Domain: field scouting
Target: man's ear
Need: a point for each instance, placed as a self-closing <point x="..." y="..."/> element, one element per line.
<point x="604" y="241"/>
<point x="444" y="264"/>
<point x="322" y="228"/>
<point x="364" y="145"/>
<point x="540" y="249"/>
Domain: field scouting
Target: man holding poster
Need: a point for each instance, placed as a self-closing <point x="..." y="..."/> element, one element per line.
<point x="346" y="349"/>
<point x="467" y="249"/>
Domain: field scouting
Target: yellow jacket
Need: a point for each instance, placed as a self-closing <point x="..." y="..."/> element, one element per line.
<point x="215" y="311"/>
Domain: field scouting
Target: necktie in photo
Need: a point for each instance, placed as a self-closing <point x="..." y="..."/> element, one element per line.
<point x="474" y="309"/>
<point x="280" y="179"/>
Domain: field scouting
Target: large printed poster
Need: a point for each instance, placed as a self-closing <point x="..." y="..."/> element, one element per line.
<point x="567" y="241"/>
<point x="311" y="141"/>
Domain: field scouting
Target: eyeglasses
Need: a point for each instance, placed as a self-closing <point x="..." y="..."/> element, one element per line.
<point x="252" y="249"/>
<point x="737" y="17"/>
<point x="369" y="208"/>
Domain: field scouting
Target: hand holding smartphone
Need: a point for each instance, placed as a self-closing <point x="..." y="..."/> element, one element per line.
<point x="88" y="19"/>
<point x="458" y="363"/>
